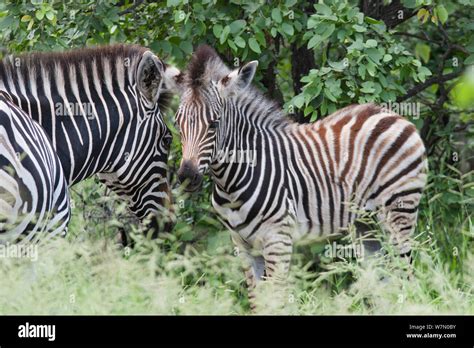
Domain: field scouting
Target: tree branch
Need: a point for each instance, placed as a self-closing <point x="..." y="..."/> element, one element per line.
<point x="302" y="61"/>
<point x="136" y="3"/>
<point x="392" y="14"/>
<point x="422" y="86"/>
<point x="419" y="37"/>
<point x="269" y="77"/>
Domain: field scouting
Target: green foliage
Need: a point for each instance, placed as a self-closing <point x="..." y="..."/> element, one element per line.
<point x="42" y="25"/>
<point x="463" y="92"/>
<point x="371" y="66"/>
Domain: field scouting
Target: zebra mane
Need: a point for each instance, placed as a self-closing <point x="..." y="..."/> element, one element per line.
<point x="50" y="60"/>
<point x="207" y="65"/>
<point x="81" y="54"/>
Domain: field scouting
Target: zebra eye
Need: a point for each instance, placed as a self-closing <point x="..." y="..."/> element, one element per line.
<point x="167" y="140"/>
<point x="213" y="125"/>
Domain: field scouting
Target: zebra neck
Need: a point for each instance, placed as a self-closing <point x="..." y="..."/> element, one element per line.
<point x="251" y="132"/>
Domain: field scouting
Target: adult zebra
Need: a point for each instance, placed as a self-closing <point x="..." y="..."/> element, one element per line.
<point x="276" y="182"/>
<point x="33" y="191"/>
<point x="101" y="108"/>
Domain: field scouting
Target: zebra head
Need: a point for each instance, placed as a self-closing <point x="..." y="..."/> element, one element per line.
<point x="207" y="88"/>
<point x="142" y="173"/>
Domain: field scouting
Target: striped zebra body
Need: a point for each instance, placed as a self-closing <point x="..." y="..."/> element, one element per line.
<point x="294" y="181"/>
<point x="101" y="107"/>
<point x="34" y="195"/>
<point x="316" y="176"/>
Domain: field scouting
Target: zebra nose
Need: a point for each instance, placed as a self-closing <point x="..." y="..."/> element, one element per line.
<point x="189" y="175"/>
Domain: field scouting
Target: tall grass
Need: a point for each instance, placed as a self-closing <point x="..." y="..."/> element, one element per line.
<point x="194" y="270"/>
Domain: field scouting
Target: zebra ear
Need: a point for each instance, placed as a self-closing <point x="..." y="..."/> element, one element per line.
<point x="149" y="76"/>
<point x="238" y="79"/>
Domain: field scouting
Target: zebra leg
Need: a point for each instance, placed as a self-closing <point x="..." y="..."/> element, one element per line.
<point x="399" y="219"/>
<point x="253" y="267"/>
<point x="372" y="246"/>
<point x="277" y="251"/>
<point x="124" y="239"/>
<point x="254" y="270"/>
<point x="253" y="275"/>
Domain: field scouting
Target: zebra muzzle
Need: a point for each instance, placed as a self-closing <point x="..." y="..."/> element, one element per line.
<point x="189" y="176"/>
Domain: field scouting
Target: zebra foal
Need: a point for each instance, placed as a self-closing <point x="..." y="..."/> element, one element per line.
<point x="302" y="179"/>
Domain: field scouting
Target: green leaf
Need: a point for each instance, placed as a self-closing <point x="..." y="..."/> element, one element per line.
<point x="239" y="41"/>
<point x="359" y="28"/>
<point x="329" y="30"/>
<point x="172" y="3"/>
<point x="313" y="22"/>
<point x="334" y="86"/>
<point x="260" y="36"/>
<point x="469" y="60"/>
<point x="187" y="47"/>
<point x="179" y="16"/>
<point x="442" y="13"/>
<point x="356" y="45"/>
<point x="315" y="40"/>
<point x="324" y="107"/>
<point x="370" y="68"/>
<point x="217" y="30"/>
<point x="338" y="66"/>
<point x="39" y="15"/>
<point x="361" y="69"/>
<point x="254" y="46"/>
<point x="329" y="95"/>
<point x="50" y="16"/>
<point x="298" y="101"/>
<point x="423" y="72"/>
<point x="341" y="34"/>
<point x="288" y="29"/>
<point x="372" y="20"/>
<point x="314" y="91"/>
<point x="232" y="45"/>
<point x="237" y="26"/>
<point x="224" y="34"/>
<point x="166" y="46"/>
<point x="374" y="54"/>
<point x="423" y="51"/>
<point x="367" y="87"/>
<point x="423" y="15"/>
<point x="276" y="15"/>
<point x="371" y="43"/>
<point x="323" y="9"/>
